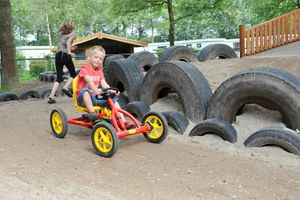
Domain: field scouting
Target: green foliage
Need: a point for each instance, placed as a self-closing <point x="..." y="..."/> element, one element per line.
<point x="21" y="64"/>
<point x="37" y="67"/>
<point x="142" y="20"/>
<point x="26" y="76"/>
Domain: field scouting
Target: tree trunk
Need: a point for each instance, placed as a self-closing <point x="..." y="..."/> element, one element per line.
<point x="9" y="75"/>
<point x="171" y="19"/>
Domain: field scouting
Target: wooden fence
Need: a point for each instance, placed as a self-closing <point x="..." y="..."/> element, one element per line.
<point x="271" y="34"/>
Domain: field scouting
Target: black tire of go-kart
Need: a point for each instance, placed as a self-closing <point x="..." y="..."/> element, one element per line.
<point x="283" y="137"/>
<point x="138" y="109"/>
<point x="181" y="53"/>
<point x="8" y="96"/>
<point x="165" y="127"/>
<point x="125" y="75"/>
<point x="184" y="79"/>
<point x="107" y="60"/>
<point x="177" y="120"/>
<point x="145" y="60"/>
<point x="30" y="94"/>
<point x="275" y="88"/>
<point x="111" y="129"/>
<point x="213" y="51"/>
<point x="64" y="121"/>
<point x="215" y="126"/>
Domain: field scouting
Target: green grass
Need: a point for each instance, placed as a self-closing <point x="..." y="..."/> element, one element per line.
<point x="26" y="76"/>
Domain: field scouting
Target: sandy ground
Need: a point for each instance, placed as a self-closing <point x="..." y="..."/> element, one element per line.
<point x="36" y="165"/>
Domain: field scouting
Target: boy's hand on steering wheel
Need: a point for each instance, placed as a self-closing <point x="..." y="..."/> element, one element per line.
<point x="98" y="91"/>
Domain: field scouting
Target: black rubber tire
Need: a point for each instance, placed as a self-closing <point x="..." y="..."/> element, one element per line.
<point x="263" y="86"/>
<point x="108" y="129"/>
<point x="58" y="116"/>
<point x="177" y="120"/>
<point x="8" y="96"/>
<point x="138" y="109"/>
<point x="160" y="127"/>
<point x="181" y="53"/>
<point x="30" y="94"/>
<point x="183" y="78"/>
<point x="212" y="51"/>
<point x="108" y="59"/>
<point x="278" y="136"/>
<point x="216" y="126"/>
<point x="123" y="100"/>
<point x="145" y="60"/>
<point x="125" y="75"/>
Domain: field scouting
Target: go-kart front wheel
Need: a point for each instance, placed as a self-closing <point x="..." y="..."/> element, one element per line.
<point x="59" y="123"/>
<point x="159" y="127"/>
<point x="105" y="139"/>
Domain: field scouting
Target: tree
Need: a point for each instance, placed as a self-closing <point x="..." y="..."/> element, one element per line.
<point x="9" y="76"/>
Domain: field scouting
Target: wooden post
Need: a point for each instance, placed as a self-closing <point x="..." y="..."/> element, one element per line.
<point x="242" y="41"/>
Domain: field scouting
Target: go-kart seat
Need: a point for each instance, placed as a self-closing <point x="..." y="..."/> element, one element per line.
<point x="77" y="107"/>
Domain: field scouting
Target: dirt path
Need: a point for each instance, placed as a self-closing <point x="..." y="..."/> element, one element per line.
<point x="35" y="165"/>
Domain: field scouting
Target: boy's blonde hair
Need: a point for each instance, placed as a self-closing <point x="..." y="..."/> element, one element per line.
<point x="96" y="48"/>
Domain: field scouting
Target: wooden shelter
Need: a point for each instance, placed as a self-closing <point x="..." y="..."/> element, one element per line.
<point x="112" y="44"/>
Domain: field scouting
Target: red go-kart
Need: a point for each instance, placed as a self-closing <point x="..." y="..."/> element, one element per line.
<point x="106" y="133"/>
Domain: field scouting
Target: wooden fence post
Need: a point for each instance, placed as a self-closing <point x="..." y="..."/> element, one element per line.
<point x="242" y="41"/>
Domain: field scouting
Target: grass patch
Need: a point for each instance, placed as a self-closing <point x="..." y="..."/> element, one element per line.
<point x="25" y="76"/>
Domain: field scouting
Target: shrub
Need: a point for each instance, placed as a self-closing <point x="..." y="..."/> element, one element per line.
<point x="38" y="66"/>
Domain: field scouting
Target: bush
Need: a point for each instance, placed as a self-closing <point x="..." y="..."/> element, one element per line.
<point x="38" y="66"/>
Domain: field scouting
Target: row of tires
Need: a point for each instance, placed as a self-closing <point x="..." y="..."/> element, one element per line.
<point x="148" y="81"/>
<point x="50" y="76"/>
<point x="285" y="138"/>
<point x="8" y="96"/>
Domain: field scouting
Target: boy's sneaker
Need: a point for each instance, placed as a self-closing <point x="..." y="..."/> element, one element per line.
<point x="94" y="118"/>
<point x="129" y="125"/>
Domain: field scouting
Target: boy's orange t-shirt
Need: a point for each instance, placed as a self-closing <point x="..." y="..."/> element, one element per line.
<point x="96" y="75"/>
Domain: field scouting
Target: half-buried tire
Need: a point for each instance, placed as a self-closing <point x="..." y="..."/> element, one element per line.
<point x="285" y="138"/>
<point x="125" y="75"/>
<point x="181" y="53"/>
<point x="215" y="126"/>
<point x="182" y="78"/>
<point x="108" y="59"/>
<point x="30" y="94"/>
<point x="138" y="109"/>
<point x="213" y="51"/>
<point x="145" y="60"/>
<point x="176" y="120"/>
<point x="267" y="87"/>
<point x="8" y="96"/>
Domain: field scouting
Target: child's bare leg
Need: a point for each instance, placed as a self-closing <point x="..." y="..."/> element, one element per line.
<point x="121" y="114"/>
<point x="88" y="102"/>
<point x="68" y="83"/>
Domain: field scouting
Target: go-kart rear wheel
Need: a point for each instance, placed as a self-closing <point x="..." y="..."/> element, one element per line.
<point x="59" y="123"/>
<point x="159" y="127"/>
<point x="105" y="139"/>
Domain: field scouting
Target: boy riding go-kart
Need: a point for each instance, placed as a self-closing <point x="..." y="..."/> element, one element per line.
<point x="106" y="119"/>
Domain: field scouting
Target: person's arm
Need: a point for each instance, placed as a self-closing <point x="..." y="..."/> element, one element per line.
<point x="69" y="44"/>
<point x="92" y="86"/>
<point x="104" y="85"/>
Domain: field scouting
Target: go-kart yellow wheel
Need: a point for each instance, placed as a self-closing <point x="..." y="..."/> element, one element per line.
<point x="159" y="127"/>
<point x="59" y="123"/>
<point x="105" y="139"/>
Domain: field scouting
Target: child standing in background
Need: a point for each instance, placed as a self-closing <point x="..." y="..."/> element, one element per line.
<point x="63" y="57"/>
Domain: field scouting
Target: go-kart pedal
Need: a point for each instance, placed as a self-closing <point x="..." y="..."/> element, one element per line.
<point x="93" y="117"/>
<point x="129" y="125"/>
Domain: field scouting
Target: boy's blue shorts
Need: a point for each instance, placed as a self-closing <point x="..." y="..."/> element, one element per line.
<point x="96" y="101"/>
